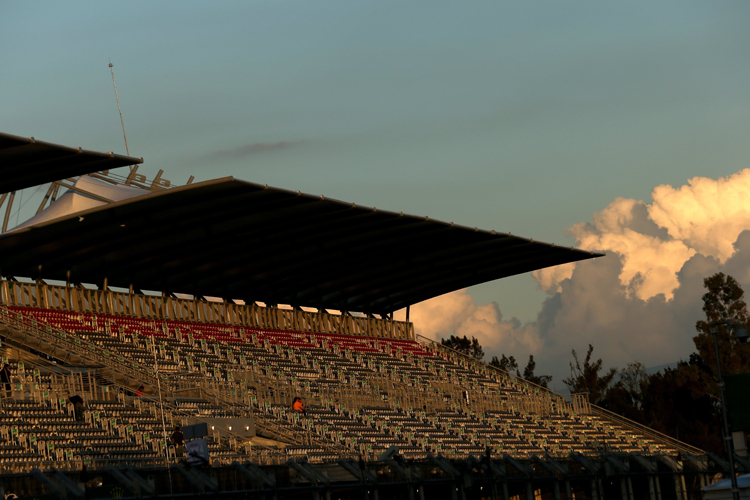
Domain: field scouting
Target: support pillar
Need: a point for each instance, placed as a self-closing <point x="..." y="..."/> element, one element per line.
<point x="740" y="443"/>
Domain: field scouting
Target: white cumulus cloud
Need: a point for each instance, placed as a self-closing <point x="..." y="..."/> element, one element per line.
<point x="707" y="215"/>
<point x="638" y="303"/>
<point x="457" y="313"/>
<point x="654" y="240"/>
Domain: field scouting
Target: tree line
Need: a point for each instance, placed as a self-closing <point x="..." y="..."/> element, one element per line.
<point x="682" y="402"/>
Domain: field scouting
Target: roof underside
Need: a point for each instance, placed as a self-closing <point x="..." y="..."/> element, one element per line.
<point x="238" y="240"/>
<point x="26" y="162"/>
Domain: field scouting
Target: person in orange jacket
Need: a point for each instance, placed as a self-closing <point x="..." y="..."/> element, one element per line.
<point x="299" y="405"/>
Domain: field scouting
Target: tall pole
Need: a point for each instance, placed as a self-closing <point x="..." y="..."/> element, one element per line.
<point x="161" y="404"/>
<point x="728" y="445"/>
<point x="118" y="108"/>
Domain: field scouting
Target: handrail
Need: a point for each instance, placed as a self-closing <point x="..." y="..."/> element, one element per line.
<point x="61" y="339"/>
<point x="597" y="410"/>
<point x="175" y="410"/>
<point x="429" y="341"/>
<point x="647" y="431"/>
<point x="262" y="416"/>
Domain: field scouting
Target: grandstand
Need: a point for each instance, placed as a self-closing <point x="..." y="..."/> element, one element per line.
<point x="226" y="299"/>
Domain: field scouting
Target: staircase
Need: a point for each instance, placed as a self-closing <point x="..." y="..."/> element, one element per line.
<point x="70" y="349"/>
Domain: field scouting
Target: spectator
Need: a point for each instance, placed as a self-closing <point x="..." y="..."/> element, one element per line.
<point x="139" y="392"/>
<point x="77" y="402"/>
<point x="179" y="441"/>
<point x="299" y="405"/>
<point x="5" y="378"/>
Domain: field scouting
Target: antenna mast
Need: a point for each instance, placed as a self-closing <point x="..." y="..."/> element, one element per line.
<point x="118" y="108"/>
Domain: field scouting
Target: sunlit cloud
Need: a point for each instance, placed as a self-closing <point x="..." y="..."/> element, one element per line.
<point x="654" y="240"/>
<point x="457" y="313"/>
<point x="640" y="302"/>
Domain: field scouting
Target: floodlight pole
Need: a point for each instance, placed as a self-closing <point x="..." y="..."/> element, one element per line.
<point x="728" y="444"/>
<point x="161" y="404"/>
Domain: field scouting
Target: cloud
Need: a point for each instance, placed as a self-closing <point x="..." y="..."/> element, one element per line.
<point x="249" y="149"/>
<point x="708" y="215"/>
<point x="457" y="313"/>
<point x="640" y="302"/>
<point x="654" y="240"/>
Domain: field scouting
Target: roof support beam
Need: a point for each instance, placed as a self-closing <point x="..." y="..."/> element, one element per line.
<point x="233" y="239"/>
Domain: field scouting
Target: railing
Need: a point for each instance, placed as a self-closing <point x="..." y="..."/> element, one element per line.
<point x="263" y="421"/>
<point x="35" y="336"/>
<point x="77" y="299"/>
<point x="131" y="370"/>
<point x="646" y="431"/>
<point x="538" y="388"/>
<point x="578" y="405"/>
<point x="580" y="402"/>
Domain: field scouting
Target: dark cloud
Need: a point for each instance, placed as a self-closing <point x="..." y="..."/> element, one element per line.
<point x="249" y="149"/>
<point x="594" y="308"/>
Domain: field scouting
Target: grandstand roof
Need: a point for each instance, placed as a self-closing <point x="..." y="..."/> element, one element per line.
<point x="239" y="240"/>
<point x="26" y="162"/>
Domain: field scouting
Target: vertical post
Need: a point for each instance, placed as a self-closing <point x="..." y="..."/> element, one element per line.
<point x="105" y="300"/>
<point x="44" y="201"/>
<point x="407" y="326"/>
<point x="740" y="443"/>
<point x="161" y="403"/>
<point x="7" y="211"/>
<point x="54" y="193"/>
<point x="68" y="295"/>
<point x="727" y="436"/>
<point x="2" y="198"/>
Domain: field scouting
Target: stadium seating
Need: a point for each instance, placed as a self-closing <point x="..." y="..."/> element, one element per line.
<point x="363" y="395"/>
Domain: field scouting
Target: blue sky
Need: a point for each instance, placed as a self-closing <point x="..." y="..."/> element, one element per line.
<point x="526" y="117"/>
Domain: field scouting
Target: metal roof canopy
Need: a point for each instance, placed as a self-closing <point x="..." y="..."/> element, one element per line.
<point x="26" y="162"/>
<point x="239" y="240"/>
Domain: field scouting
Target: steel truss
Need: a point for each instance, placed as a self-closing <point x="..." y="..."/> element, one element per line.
<point x="621" y="476"/>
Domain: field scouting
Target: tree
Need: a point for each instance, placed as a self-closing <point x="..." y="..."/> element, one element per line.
<point x="508" y="364"/>
<point x="633" y="379"/>
<point x="528" y="374"/>
<point x="464" y="345"/>
<point x="672" y="405"/>
<point x="626" y="395"/>
<point x="684" y="402"/>
<point x="681" y="402"/>
<point x="586" y="378"/>
<point x="722" y="301"/>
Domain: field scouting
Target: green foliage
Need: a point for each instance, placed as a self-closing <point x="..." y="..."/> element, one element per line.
<point x="682" y="402"/>
<point x="626" y="395"/>
<point x="510" y="365"/>
<point x="505" y="363"/>
<point x="586" y="378"/>
<point x="723" y="301"/>
<point x="528" y="374"/>
<point x="672" y="406"/>
<point x="464" y="345"/>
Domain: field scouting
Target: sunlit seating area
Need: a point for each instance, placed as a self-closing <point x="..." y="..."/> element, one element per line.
<point x="363" y="395"/>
